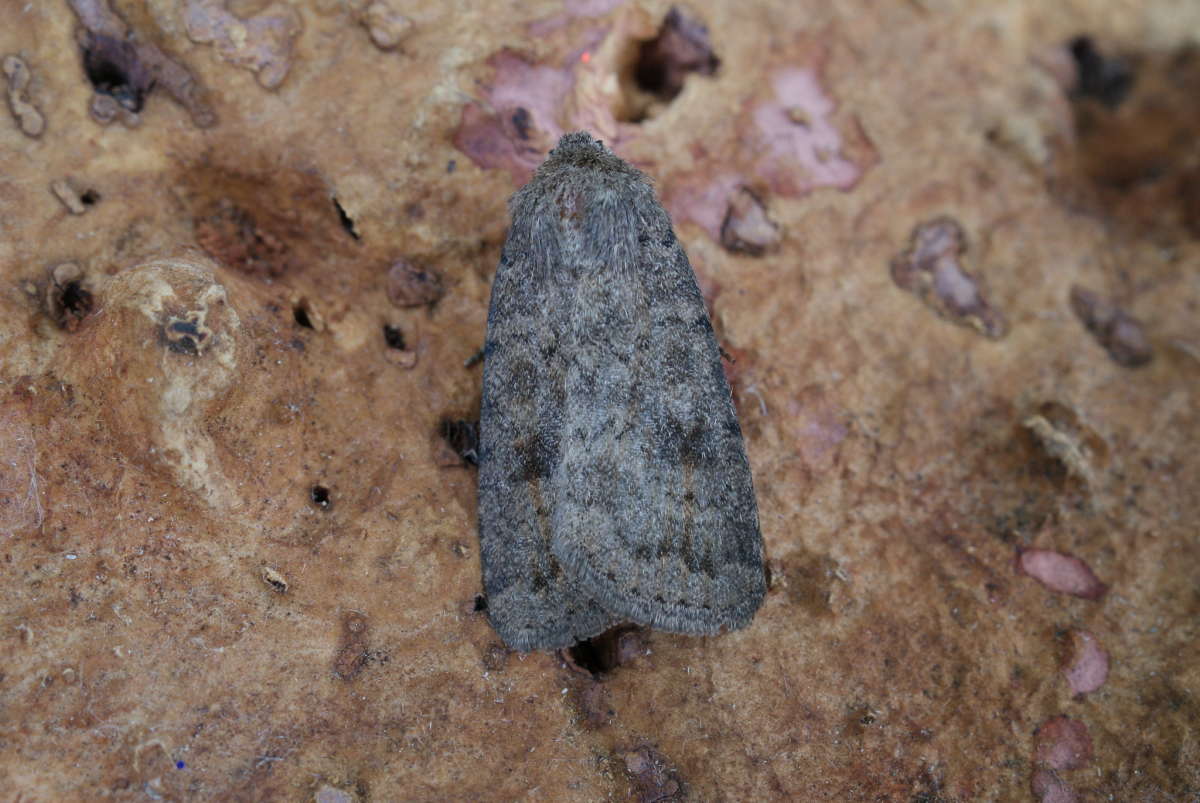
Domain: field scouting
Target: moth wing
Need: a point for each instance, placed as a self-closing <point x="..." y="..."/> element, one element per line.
<point x="655" y="516"/>
<point x="531" y="603"/>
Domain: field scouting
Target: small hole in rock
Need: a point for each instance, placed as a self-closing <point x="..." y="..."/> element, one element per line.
<point x="1108" y="80"/>
<point x="463" y="437"/>
<point x="393" y="337"/>
<point x="605" y="652"/>
<point x="660" y="66"/>
<point x="480" y="603"/>
<point x="89" y="198"/>
<point x="320" y="497"/>
<point x="68" y="301"/>
<point x="587" y="655"/>
<point x="113" y="68"/>
<point x="345" y="220"/>
<point x="300" y="314"/>
<point x="75" y="299"/>
<point x="521" y="121"/>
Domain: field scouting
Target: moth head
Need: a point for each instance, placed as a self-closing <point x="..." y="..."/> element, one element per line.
<point x="581" y="150"/>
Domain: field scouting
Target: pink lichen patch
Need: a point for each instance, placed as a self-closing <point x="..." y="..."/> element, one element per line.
<point x="1121" y="334"/>
<point x="1047" y="787"/>
<point x="521" y="120"/>
<point x="819" y="427"/>
<point x="932" y="269"/>
<point x="261" y="42"/>
<point x="1062" y="743"/>
<point x="614" y="77"/>
<point x="789" y="140"/>
<point x="1065" y="574"/>
<point x="704" y="201"/>
<point x="1087" y="665"/>
<point x="800" y="148"/>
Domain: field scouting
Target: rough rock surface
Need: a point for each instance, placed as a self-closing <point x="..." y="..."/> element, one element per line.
<point x="239" y="561"/>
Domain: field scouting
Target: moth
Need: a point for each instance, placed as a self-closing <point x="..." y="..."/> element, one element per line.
<point x="613" y="481"/>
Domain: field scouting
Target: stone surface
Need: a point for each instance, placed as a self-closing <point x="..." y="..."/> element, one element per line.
<point x="239" y="559"/>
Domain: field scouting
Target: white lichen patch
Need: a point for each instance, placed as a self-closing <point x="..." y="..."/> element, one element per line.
<point x="195" y="363"/>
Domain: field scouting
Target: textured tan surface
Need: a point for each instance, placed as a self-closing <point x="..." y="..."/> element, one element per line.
<point x="171" y="593"/>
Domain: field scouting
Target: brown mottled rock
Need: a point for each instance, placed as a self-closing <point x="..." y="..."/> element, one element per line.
<point x="411" y="285"/>
<point x="215" y="463"/>
<point x="651" y="775"/>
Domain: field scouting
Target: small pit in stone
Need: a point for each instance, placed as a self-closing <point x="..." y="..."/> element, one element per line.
<point x="393" y="337"/>
<point x="1136" y="155"/>
<point x="68" y="301"/>
<point x="89" y="198"/>
<point x="480" y="604"/>
<point x="300" y="315"/>
<point x="1108" y="80"/>
<point x="346" y="221"/>
<point x="602" y="654"/>
<point x="321" y="497"/>
<point x="521" y="121"/>
<point x="657" y="68"/>
<point x="113" y="67"/>
<point x="462" y="437"/>
<point x="75" y="300"/>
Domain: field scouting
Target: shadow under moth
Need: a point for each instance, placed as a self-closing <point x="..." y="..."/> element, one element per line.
<point x="613" y="482"/>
